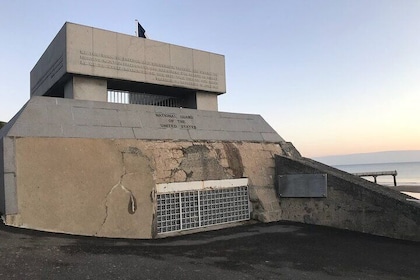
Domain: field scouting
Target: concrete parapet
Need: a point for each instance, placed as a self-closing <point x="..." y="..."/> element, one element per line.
<point x="60" y="117"/>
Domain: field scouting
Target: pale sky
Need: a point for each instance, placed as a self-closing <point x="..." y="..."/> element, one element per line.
<point x="332" y="77"/>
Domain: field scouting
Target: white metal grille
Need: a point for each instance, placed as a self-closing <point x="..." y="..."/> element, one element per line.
<point x="224" y="205"/>
<point x="118" y="97"/>
<point x="169" y="211"/>
<point x="125" y="97"/>
<point x="199" y="208"/>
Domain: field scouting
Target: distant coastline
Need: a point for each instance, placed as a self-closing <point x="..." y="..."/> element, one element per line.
<point x="371" y="158"/>
<point x="407" y="179"/>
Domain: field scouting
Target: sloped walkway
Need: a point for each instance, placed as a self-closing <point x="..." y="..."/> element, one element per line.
<point x="258" y="251"/>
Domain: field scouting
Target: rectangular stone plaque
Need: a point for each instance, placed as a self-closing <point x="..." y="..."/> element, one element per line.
<point x="302" y="185"/>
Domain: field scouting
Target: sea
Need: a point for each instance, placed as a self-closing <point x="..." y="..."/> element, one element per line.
<point x="408" y="172"/>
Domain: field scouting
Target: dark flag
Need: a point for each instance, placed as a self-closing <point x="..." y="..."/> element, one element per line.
<point x="140" y="30"/>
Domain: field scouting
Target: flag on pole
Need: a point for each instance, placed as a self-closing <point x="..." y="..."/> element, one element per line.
<point x="140" y="32"/>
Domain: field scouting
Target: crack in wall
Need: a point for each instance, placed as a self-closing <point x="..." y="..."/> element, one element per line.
<point x="132" y="205"/>
<point x="183" y="162"/>
<point x="234" y="159"/>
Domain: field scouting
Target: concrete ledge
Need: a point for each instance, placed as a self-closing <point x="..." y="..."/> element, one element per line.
<point x="58" y="117"/>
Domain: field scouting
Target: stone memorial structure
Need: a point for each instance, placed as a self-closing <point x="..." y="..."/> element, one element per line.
<point x="122" y="137"/>
<point x="84" y="62"/>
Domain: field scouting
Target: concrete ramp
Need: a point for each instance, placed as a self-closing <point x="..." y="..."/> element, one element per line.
<point x="352" y="203"/>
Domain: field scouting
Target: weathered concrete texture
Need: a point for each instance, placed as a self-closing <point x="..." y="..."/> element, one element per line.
<point x="266" y="204"/>
<point x="86" y="89"/>
<point x="8" y="195"/>
<point x="93" y="52"/>
<point x="60" y="117"/>
<point x="206" y="101"/>
<point x="352" y="203"/>
<point x="105" y="187"/>
<point x="83" y="187"/>
<point x="2" y="201"/>
<point x="47" y="176"/>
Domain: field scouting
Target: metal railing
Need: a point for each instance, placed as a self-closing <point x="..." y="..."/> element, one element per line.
<point x="126" y="97"/>
<point x="375" y="174"/>
<point x="118" y="97"/>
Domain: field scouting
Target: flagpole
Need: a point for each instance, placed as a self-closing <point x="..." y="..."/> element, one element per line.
<point x="137" y="27"/>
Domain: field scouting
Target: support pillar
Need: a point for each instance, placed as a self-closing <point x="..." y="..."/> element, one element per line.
<point x="206" y="101"/>
<point x="86" y="88"/>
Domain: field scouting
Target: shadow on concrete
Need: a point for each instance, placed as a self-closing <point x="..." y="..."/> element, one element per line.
<point x="259" y="251"/>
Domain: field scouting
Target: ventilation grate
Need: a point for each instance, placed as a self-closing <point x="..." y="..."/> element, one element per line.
<point x="189" y="209"/>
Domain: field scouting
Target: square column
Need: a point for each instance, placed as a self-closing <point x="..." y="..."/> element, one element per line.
<point x="86" y="88"/>
<point x="206" y="101"/>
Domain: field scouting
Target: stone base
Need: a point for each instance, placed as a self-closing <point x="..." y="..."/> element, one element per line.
<point x="105" y="187"/>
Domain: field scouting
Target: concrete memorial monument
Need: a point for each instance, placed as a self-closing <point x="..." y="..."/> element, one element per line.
<point x="122" y="137"/>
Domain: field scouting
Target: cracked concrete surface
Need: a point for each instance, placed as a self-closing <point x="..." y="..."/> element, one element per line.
<point x="131" y="203"/>
<point x="76" y="195"/>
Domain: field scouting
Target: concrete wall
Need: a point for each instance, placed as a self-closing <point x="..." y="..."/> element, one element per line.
<point x="65" y="159"/>
<point x="8" y="196"/>
<point x="86" y="88"/>
<point x="352" y="203"/>
<point x="93" y="52"/>
<point x="61" y="117"/>
<point x="7" y="168"/>
<point x="51" y="67"/>
<point x="206" y="101"/>
<point x="90" y="168"/>
<point x="105" y="187"/>
<point x="2" y="197"/>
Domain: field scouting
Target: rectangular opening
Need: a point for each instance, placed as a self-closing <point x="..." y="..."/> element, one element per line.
<point x="126" y="97"/>
<point x="189" y="205"/>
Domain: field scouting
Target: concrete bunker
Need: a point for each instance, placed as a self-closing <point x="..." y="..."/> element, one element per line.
<point x="122" y="137"/>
